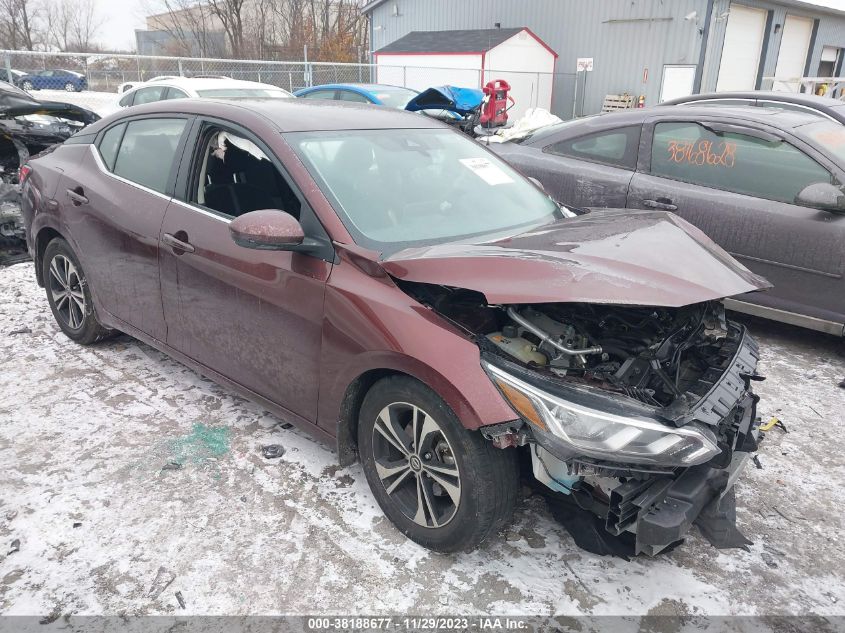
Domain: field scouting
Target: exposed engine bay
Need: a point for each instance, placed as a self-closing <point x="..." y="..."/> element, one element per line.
<point x="643" y="415"/>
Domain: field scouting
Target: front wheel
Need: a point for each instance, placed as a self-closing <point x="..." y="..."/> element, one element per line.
<point x="69" y="87"/>
<point x="443" y="486"/>
<point x="27" y="85"/>
<point x="69" y="296"/>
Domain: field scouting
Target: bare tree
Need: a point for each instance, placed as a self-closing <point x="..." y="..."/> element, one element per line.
<point x="18" y="19"/>
<point x="191" y="25"/>
<point x="72" y="25"/>
<point x="231" y="16"/>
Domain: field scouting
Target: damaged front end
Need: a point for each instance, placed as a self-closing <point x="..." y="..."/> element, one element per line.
<point x="644" y="416"/>
<point x="27" y="127"/>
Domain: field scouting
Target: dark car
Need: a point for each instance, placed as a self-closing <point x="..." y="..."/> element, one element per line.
<point x="27" y="127"/>
<point x="389" y="284"/>
<point x="832" y="109"/>
<point x="376" y="94"/>
<point x="53" y="80"/>
<point x="764" y="184"/>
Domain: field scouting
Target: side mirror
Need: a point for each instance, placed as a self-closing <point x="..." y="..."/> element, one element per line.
<point x="822" y="195"/>
<point x="267" y="229"/>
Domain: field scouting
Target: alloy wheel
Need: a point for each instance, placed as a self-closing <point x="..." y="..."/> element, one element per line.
<point x="66" y="292"/>
<point x="26" y="86"/>
<point x="416" y="464"/>
<point x="69" y="87"/>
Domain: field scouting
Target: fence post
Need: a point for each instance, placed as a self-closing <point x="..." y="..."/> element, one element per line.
<point x="138" y="64"/>
<point x="181" y="72"/>
<point x="9" y="77"/>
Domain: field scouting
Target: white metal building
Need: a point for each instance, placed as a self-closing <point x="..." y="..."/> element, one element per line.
<point x="471" y="58"/>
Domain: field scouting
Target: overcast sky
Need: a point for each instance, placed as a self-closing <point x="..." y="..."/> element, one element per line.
<point x="120" y="19"/>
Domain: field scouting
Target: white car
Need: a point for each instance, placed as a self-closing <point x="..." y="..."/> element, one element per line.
<point x="197" y="88"/>
<point x="128" y="85"/>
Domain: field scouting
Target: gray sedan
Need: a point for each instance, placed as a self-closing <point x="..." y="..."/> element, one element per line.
<point x="765" y="184"/>
<point x="827" y="107"/>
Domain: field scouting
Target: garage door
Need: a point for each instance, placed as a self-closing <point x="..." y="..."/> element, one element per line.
<point x="741" y="52"/>
<point x="792" y="57"/>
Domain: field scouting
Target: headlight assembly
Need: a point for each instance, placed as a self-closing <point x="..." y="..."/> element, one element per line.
<point x="604" y="435"/>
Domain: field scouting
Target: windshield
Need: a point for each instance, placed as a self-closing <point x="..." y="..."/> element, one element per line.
<point x="411" y="187"/>
<point x="828" y="135"/>
<point x="394" y="97"/>
<point x="230" y="93"/>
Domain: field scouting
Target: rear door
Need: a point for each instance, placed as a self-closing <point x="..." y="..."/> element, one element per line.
<point x="590" y="170"/>
<point x="253" y="316"/>
<point x="116" y="198"/>
<point x="738" y="184"/>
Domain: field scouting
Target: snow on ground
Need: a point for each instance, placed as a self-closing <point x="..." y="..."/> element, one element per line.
<point x="89" y="436"/>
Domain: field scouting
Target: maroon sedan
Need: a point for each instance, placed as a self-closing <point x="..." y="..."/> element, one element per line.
<point x="395" y="288"/>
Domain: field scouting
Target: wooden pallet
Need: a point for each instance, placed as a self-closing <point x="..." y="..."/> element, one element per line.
<point x="617" y="102"/>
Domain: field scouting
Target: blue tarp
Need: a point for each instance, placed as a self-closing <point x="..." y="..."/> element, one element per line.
<point x="460" y="100"/>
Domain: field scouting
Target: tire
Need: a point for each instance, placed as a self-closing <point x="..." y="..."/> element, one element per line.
<point x="27" y="85"/>
<point x="69" y="87"/>
<point x="459" y="510"/>
<point x="69" y="296"/>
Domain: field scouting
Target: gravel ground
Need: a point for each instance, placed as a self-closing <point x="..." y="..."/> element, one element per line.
<point x="125" y="478"/>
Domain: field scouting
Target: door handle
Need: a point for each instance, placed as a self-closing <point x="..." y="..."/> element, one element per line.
<point x="176" y="244"/>
<point x="77" y="196"/>
<point x="665" y="204"/>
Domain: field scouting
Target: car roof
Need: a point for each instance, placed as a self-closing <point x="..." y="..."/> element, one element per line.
<point x="287" y="115"/>
<point x="210" y="83"/>
<point x="356" y="87"/>
<point x="775" y="117"/>
<point x="800" y="98"/>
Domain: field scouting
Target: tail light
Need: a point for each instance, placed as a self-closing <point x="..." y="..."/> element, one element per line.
<point x="23" y="173"/>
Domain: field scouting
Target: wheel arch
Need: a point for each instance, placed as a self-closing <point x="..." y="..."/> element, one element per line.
<point x="350" y="408"/>
<point x="44" y="236"/>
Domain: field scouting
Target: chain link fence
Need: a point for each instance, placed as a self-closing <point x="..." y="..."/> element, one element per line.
<point x="105" y="76"/>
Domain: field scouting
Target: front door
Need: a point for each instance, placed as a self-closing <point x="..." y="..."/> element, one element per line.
<point x="254" y="316"/>
<point x="740" y="189"/>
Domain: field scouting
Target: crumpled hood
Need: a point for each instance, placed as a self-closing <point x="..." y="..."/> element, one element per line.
<point x="610" y="256"/>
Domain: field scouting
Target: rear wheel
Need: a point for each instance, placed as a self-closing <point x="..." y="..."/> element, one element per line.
<point x="443" y="486"/>
<point x="27" y="85"/>
<point x="69" y="87"/>
<point x="69" y="296"/>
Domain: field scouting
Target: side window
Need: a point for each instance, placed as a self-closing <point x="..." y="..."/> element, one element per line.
<point x="348" y="95"/>
<point x="233" y="176"/>
<point x="110" y="143"/>
<point x="147" y="151"/>
<point x="773" y="170"/>
<point x="319" y="94"/>
<point x="148" y="95"/>
<point x="127" y="100"/>
<point x="616" y="147"/>
<point x="175" y="93"/>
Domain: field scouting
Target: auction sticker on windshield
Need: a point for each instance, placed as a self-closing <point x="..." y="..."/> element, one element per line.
<point x="486" y="170"/>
